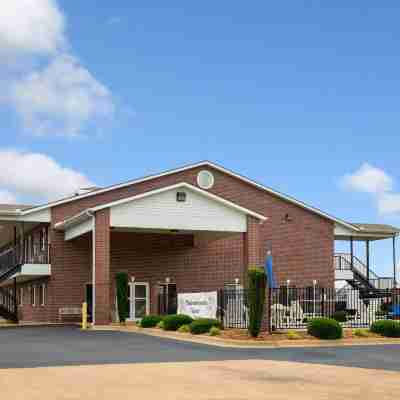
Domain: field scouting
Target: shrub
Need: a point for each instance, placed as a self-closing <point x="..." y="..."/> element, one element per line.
<point x="379" y="326"/>
<point x="122" y="295"/>
<point x="203" y="325"/>
<point x="340" y="316"/>
<point x="184" y="329"/>
<point x="293" y="335"/>
<point x="386" y="328"/>
<point x="175" y="321"/>
<point x="361" y="332"/>
<point x="325" y="328"/>
<point x="160" y="325"/>
<point x="215" y="331"/>
<point x="256" y="299"/>
<point x="150" y="321"/>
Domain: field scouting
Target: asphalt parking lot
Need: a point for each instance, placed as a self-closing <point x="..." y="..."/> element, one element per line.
<point x="68" y="346"/>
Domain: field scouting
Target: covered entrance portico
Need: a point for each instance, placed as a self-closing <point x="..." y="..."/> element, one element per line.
<point x="160" y="238"/>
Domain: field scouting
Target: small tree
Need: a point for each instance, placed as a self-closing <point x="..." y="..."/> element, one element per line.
<point x="122" y="296"/>
<point x="256" y="298"/>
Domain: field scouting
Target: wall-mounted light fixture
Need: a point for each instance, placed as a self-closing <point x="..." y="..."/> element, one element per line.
<point x="237" y="281"/>
<point x="167" y="280"/>
<point x="287" y="218"/>
<point x="181" y="196"/>
<point x="132" y="278"/>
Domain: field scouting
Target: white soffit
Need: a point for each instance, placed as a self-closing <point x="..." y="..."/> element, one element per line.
<point x="74" y="231"/>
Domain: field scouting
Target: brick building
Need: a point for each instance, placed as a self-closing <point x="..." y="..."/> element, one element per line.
<point x="196" y="228"/>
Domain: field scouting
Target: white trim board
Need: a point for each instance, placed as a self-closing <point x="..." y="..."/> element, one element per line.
<point x="191" y="166"/>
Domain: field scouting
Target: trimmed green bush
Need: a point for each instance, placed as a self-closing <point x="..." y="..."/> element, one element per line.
<point x="175" y="321"/>
<point x="325" y="328"/>
<point x="386" y="328"/>
<point x="215" y="331"/>
<point x="122" y="295"/>
<point x="184" y="329"/>
<point x="379" y="326"/>
<point x="203" y="325"/>
<point x="340" y="316"/>
<point x="256" y="298"/>
<point x="150" y="321"/>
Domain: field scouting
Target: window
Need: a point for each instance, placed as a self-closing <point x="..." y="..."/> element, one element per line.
<point x="33" y="295"/>
<point x="205" y="179"/>
<point x="42" y="294"/>
<point x="21" y="296"/>
<point x="29" y="248"/>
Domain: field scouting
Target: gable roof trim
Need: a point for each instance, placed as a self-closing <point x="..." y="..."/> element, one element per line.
<point x="187" y="167"/>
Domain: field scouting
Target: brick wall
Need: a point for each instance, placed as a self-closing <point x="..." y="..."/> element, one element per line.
<point x="302" y="245"/>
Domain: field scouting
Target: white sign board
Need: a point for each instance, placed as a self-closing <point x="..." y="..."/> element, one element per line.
<point x="198" y="305"/>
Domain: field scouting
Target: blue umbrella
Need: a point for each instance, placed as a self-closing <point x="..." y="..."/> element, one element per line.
<point x="268" y="270"/>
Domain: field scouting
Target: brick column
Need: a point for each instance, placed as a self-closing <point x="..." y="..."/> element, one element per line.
<point x="254" y="255"/>
<point x="253" y="252"/>
<point x="102" y="267"/>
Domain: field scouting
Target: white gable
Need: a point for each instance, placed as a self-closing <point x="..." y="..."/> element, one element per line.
<point x="163" y="211"/>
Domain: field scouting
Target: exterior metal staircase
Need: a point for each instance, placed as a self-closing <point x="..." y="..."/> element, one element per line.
<point x="8" y="306"/>
<point x="371" y="285"/>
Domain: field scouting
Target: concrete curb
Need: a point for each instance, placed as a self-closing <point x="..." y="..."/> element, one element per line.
<point x="243" y="344"/>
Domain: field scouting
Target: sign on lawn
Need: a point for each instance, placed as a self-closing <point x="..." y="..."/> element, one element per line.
<point x="198" y="305"/>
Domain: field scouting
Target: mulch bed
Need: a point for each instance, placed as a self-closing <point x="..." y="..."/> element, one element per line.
<point x="242" y="334"/>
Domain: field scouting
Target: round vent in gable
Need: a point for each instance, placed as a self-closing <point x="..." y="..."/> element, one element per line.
<point x="205" y="179"/>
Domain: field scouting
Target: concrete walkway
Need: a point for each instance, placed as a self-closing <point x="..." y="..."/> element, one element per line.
<point x="230" y="380"/>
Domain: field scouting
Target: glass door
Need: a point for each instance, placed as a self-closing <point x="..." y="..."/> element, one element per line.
<point x="139" y="300"/>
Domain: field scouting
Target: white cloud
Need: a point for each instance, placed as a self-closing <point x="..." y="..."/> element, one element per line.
<point x="61" y="96"/>
<point x="38" y="176"/>
<point x="61" y="99"/>
<point x="368" y="179"/>
<point x="31" y="26"/>
<point x="389" y="203"/>
<point x="375" y="181"/>
<point x="7" y="197"/>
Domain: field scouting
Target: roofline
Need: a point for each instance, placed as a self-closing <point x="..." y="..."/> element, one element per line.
<point x="88" y="213"/>
<point x="191" y="166"/>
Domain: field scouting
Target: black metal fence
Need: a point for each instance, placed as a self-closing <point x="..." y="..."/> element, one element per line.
<point x="292" y="308"/>
<point x="232" y="308"/>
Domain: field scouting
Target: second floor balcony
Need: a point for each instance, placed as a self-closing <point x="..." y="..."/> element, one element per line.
<point x="27" y="252"/>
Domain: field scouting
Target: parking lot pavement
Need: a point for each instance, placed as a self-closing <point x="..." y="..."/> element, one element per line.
<point x="69" y="346"/>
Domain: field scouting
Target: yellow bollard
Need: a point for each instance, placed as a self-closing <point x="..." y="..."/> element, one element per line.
<point x="84" y="316"/>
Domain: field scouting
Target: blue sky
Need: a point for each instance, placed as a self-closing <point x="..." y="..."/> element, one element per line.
<point x="295" y="95"/>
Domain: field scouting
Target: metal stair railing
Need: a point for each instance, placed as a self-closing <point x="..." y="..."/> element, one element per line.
<point x="343" y="262"/>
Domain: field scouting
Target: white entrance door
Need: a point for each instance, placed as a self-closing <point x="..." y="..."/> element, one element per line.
<point x="139" y="300"/>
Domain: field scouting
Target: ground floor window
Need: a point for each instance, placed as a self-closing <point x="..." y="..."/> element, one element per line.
<point x="33" y="295"/>
<point x="167" y="298"/>
<point x="21" y="296"/>
<point x="42" y="294"/>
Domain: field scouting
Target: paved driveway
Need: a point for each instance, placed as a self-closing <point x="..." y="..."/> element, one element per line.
<point x="47" y="347"/>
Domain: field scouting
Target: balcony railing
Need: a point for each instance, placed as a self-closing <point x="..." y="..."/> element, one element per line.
<point x="35" y="253"/>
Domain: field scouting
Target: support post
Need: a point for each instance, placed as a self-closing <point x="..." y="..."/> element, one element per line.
<point x="15" y="296"/>
<point x="352" y="252"/>
<point x="367" y="247"/>
<point x="15" y="246"/>
<point x="394" y="263"/>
